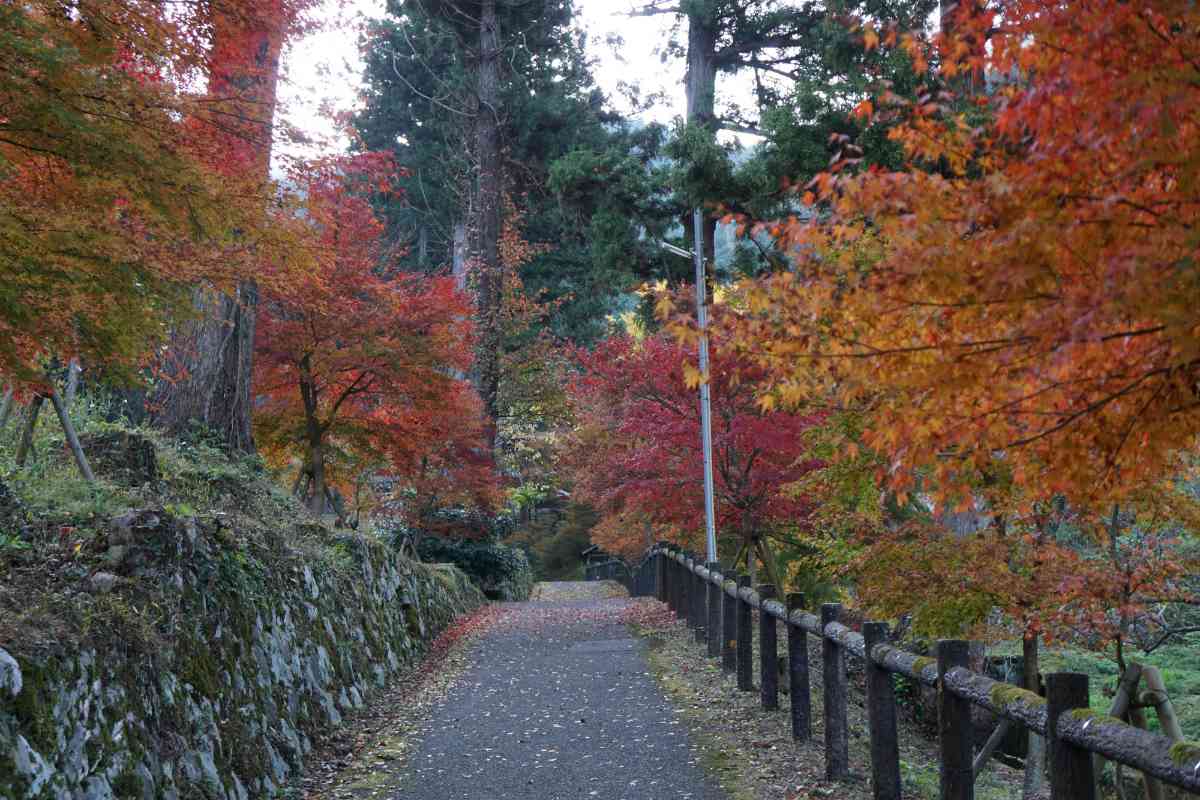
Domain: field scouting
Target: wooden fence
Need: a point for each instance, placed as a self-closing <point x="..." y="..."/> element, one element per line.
<point x="719" y="608"/>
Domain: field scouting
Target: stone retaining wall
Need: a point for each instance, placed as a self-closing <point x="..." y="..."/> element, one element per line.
<point x="207" y="670"/>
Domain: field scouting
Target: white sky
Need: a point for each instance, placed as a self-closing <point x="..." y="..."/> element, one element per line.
<point x="322" y="72"/>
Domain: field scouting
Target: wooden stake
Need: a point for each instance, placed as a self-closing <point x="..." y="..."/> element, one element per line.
<point x="64" y="419"/>
<point x="26" y="445"/>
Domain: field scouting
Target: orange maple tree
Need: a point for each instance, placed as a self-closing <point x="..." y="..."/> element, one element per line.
<point x="1009" y="315"/>
<point x="110" y="206"/>
<point x="1016" y="305"/>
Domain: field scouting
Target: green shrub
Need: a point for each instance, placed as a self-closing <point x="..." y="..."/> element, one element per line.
<point x="501" y="572"/>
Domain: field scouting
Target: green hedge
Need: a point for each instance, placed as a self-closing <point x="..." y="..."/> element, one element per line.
<point x="501" y="572"/>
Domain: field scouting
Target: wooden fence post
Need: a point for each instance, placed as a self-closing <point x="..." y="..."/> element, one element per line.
<point x="677" y="587"/>
<point x="881" y="715"/>
<point x="660" y="576"/>
<point x="798" y="673"/>
<point x="701" y="601"/>
<point x="669" y="582"/>
<point x="1071" y="776"/>
<point x="954" y="726"/>
<point x="685" y="592"/>
<point x="690" y="579"/>
<point x="745" y="640"/>
<point x="833" y="674"/>
<point x="768" y="652"/>
<point x="728" y="629"/>
<point x="714" y="612"/>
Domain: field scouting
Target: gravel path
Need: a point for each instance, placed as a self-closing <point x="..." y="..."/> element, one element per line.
<point x="557" y="704"/>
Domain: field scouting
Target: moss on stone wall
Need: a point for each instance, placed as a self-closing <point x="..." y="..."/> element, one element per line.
<point x="184" y="654"/>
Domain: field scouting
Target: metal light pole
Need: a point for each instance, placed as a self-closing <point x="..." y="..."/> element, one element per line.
<point x="697" y="255"/>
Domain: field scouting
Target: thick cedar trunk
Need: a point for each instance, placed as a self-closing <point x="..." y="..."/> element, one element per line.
<point x="207" y="379"/>
<point x="487" y="213"/>
<point x="212" y="384"/>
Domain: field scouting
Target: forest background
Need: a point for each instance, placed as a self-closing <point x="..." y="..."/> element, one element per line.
<point x="955" y="356"/>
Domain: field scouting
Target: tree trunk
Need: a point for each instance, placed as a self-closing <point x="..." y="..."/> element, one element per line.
<point x="299" y="483"/>
<point x="64" y="419"/>
<point x="73" y="372"/>
<point x="26" y="445"/>
<point x="1152" y="788"/>
<point x="1126" y="692"/>
<point x="487" y="214"/>
<point x="6" y="408"/>
<point x="459" y="256"/>
<point x="770" y="564"/>
<point x="1161" y="701"/>
<point x="423" y="245"/>
<point x="208" y="378"/>
<point x="316" y="438"/>
<point x="210" y="382"/>
<point x="316" y="501"/>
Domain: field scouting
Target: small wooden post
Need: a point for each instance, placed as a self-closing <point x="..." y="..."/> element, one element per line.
<point x="714" y="612"/>
<point x="681" y="574"/>
<point x="31" y="418"/>
<point x="954" y="727"/>
<point x="768" y="652"/>
<point x="660" y="576"/>
<point x="1071" y="776"/>
<point x="798" y="673"/>
<point x="881" y="715"/>
<point x="729" y="630"/>
<point x="700" y="610"/>
<point x="689" y="582"/>
<point x="674" y="583"/>
<point x="745" y="640"/>
<point x="833" y="674"/>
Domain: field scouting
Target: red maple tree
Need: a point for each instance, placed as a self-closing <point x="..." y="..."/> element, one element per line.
<point x="637" y="451"/>
<point x="356" y="363"/>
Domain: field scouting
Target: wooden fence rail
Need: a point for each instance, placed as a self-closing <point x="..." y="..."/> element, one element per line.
<point x="719" y="606"/>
